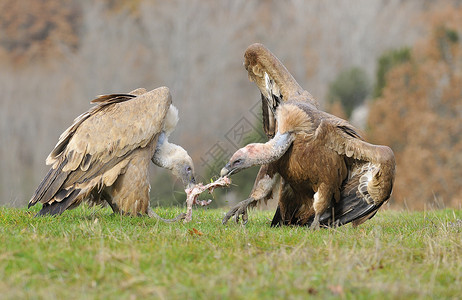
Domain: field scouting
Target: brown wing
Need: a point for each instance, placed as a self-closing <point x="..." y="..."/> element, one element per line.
<point x="341" y="137"/>
<point x="96" y="148"/>
<point x="258" y="60"/>
<point x="275" y="83"/>
<point x="371" y="172"/>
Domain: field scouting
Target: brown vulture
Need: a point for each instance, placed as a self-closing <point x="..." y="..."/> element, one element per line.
<point x="104" y="155"/>
<point x="324" y="172"/>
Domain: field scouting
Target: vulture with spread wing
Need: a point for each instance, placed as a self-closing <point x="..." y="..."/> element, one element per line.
<point x="104" y="155"/>
<point x="324" y="172"/>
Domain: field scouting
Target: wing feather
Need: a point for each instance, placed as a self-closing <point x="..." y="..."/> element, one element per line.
<point x="259" y="60"/>
<point x="341" y="137"/>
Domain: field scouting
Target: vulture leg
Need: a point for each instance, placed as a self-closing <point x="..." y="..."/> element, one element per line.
<point x="320" y="204"/>
<point x="285" y="213"/>
<point x="266" y="180"/>
<point x="240" y="209"/>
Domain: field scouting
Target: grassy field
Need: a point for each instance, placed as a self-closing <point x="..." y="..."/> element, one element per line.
<point x="89" y="253"/>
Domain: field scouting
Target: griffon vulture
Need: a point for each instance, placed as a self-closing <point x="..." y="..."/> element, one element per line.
<point x="104" y="155"/>
<point x="322" y="169"/>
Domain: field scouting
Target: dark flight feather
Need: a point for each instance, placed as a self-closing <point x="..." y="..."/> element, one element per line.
<point x="57" y="208"/>
<point x="52" y="182"/>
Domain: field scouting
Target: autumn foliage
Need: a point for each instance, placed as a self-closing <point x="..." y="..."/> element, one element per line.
<point x="419" y="115"/>
<point x="37" y="29"/>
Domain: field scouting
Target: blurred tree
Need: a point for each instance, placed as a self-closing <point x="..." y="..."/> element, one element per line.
<point x="166" y="190"/>
<point x="336" y="109"/>
<point x="386" y="62"/>
<point x="242" y="181"/>
<point x="38" y="29"/>
<point x="350" y="88"/>
<point x="419" y="114"/>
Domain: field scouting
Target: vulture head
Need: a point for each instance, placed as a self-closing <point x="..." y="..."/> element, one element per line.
<point x="241" y="159"/>
<point x="184" y="168"/>
<point x="258" y="153"/>
<point x="171" y="156"/>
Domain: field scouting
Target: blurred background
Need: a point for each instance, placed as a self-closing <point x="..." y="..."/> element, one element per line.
<point x="393" y="68"/>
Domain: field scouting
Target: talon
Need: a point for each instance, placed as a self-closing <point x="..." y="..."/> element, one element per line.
<point x="242" y="212"/>
<point x="228" y="216"/>
<point x="245" y="218"/>
<point x="237" y="211"/>
<point x="315" y="225"/>
<point x="236" y="218"/>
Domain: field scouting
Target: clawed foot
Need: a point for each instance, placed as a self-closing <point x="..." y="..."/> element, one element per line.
<point x="239" y="210"/>
<point x="315" y="224"/>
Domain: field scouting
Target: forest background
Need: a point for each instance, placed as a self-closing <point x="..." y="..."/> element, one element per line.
<point x="393" y="68"/>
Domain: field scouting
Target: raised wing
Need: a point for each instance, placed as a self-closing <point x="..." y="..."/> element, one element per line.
<point x="260" y="61"/>
<point x="275" y="83"/>
<point x="95" y="149"/>
<point x="371" y="172"/>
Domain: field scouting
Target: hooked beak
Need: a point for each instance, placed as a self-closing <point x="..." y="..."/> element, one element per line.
<point x="227" y="171"/>
<point x="190" y="181"/>
<point x="224" y="172"/>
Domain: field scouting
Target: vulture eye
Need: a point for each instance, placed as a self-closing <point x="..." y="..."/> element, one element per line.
<point x="188" y="169"/>
<point x="237" y="162"/>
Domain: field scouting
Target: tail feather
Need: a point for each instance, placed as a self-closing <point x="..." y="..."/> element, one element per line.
<point x="350" y="209"/>
<point x="277" y="219"/>
<point x="50" y="185"/>
<point x="57" y="208"/>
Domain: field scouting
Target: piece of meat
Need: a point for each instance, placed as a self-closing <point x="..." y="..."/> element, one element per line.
<point x="194" y="192"/>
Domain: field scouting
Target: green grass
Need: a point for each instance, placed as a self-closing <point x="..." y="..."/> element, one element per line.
<point x="89" y="253"/>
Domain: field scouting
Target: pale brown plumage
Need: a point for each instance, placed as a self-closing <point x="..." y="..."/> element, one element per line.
<point x="104" y="155"/>
<point x="322" y="169"/>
